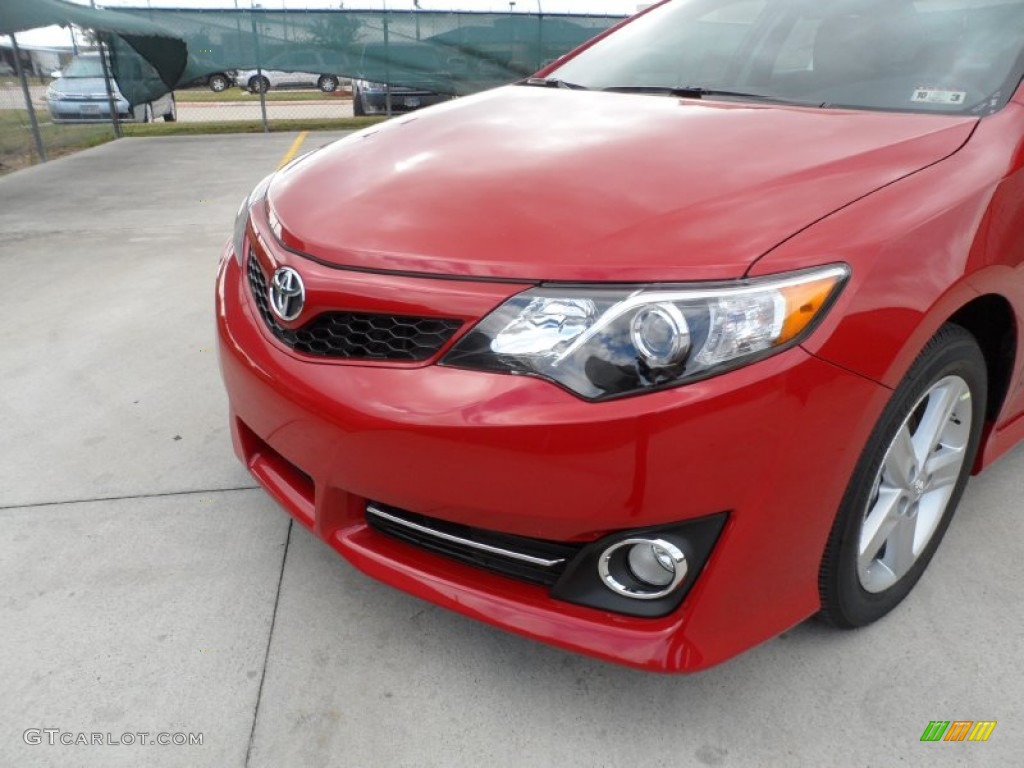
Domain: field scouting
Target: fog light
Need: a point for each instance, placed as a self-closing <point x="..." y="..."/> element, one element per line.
<point x="643" y="569"/>
<point x="651" y="564"/>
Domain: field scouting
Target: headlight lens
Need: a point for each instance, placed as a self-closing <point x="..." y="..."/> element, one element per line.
<point x="603" y="342"/>
<point x="242" y="217"/>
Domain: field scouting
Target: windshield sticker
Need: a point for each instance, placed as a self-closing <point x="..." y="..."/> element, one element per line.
<point x="938" y="96"/>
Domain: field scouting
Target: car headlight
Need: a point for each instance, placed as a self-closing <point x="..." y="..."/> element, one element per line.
<point x="242" y="218"/>
<point x="602" y="342"/>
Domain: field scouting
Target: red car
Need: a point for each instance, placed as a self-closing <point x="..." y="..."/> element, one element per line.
<point x="695" y="334"/>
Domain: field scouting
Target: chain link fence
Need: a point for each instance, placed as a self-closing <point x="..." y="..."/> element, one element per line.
<point x="24" y="80"/>
<point x="262" y="69"/>
<point x="271" y="64"/>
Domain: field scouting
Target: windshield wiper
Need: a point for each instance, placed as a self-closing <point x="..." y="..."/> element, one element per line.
<point x="697" y="92"/>
<point x="553" y="82"/>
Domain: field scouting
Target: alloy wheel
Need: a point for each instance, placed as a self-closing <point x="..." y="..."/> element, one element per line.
<point x="914" y="484"/>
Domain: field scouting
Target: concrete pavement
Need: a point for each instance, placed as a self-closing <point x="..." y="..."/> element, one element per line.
<point x="145" y="586"/>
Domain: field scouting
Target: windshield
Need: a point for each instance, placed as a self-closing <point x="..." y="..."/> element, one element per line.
<point x="84" y="67"/>
<point x="946" y="56"/>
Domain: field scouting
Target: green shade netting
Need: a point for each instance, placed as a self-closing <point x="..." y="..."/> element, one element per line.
<point x="148" y="60"/>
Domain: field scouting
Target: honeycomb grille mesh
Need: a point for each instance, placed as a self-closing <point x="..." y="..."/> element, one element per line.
<point x="355" y="335"/>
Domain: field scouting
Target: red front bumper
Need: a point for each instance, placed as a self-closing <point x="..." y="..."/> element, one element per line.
<point x="772" y="444"/>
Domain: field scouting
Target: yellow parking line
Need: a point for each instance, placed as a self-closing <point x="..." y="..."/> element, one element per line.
<point x="293" y="150"/>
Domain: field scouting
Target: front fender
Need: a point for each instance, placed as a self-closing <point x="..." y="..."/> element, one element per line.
<point x="919" y="250"/>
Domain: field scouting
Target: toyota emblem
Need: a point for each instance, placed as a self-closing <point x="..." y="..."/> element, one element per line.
<point x="287" y="294"/>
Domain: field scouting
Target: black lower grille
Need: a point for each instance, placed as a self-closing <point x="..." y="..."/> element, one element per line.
<point x="356" y="335"/>
<point x="533" y="560"/>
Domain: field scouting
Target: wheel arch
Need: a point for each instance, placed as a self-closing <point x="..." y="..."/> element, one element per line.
<point x="979" y="305"/>
<point x="993" y="323"/>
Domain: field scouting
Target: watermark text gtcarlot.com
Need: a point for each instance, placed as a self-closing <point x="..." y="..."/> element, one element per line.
<point x="58" y="736"/>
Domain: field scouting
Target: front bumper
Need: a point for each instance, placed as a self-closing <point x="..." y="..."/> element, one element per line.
<point x="771" y="445"/>
<point x="81" y="111"/>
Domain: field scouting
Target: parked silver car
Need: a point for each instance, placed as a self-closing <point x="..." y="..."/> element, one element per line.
<point x="217" y="82"/>
<point x="319" y="71"/>
<point x="79" y="95"/>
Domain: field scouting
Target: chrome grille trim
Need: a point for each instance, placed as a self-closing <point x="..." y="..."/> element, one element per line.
<point x="538" y="561"/>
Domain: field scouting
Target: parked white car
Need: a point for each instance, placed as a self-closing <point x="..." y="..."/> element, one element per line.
<point x="318" y="72"/>
<point x="79" y="95"/>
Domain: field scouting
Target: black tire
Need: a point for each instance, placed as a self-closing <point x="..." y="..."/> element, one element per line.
<point x="952" y="355"/>
<point x="327" y="83"/>
<point x="172" y="115"/>
<point x="357" y="104"/>
<point x="218" y="83"/>
<point x="258" y="84"/>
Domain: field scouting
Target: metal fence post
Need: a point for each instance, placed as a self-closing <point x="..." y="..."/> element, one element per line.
<point x="106" y="80"/>
<point x="28" y="100"/>
<point x="259" y="71"/>
<point x="541" y="60"/>
<point x="239" y="51"/>
<point x="387" y="64"/>
<point x="111" y="102"/>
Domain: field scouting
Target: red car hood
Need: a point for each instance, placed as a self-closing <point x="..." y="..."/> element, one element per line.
<point x="550" y="184"/>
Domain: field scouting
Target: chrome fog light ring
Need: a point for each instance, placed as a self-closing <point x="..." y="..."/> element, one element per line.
<point x="615" y="567"/>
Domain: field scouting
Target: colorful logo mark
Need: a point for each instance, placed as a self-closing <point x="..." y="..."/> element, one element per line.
<point x="958" y="730"/>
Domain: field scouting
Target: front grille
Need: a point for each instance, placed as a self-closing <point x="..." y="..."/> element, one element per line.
<point x="356" y="335"/>
<point x="533" y="560"/>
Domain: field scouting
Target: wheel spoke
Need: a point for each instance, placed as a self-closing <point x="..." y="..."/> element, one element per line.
<point x="901" y="460"/>
<point x="942" y="401"/>
<point x="943" y="468"/>
<point x="878" y="525"/>
<point x="899" y="552"/>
